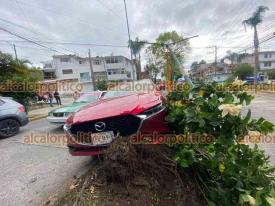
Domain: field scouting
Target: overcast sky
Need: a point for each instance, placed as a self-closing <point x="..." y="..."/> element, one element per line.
<point x="217" y="22"/>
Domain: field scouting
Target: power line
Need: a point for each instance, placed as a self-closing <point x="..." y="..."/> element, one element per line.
<point x="75" y="43"/>
<point x="109" y="8"/>
<point x="20" y="26"/>
<point x="29" y="40"/>
<point x="265" y="39"/>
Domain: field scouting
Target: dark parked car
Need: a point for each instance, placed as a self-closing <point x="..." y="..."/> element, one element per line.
<point x="12" y="117"/>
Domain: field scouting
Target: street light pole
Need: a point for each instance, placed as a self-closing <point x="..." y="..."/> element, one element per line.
<point x="129" y="37"/>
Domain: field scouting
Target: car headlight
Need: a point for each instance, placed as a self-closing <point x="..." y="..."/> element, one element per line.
<point x="150" y="111"/>
<point x="70" y="119"/>
<point x="66" y="114"/>
<point x="50" y="114"/>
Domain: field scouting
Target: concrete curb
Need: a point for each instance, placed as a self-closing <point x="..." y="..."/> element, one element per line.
<point x="37" y="117"/>
<point x="266" y="92"/>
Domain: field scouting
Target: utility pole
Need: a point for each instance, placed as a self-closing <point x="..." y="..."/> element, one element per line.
<point x="216" y="54"/>
<point x="129" y="38"/>
<point x="256" y="56"/>
<point x="92" y="71"/>
<point x="216" y="59"/>
<point x="15" y="52"/>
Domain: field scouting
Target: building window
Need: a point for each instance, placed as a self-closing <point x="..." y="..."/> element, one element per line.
<point x="85" y="77"/>
<point x="80" y="62"/>
<point x="267" y="64"/>
<point x="97" y="62"/>
<point x="48" y="66"/>
<point x="65" y="59"/>
<point x="49" y="75"/>
<point x="267" y="55"/>
<point x="113" y="60"/>
<point x="128" y="75"/>
<point x="67" y="71"/>
<point x="116" y="71"/>
<point x="100" y="75"/>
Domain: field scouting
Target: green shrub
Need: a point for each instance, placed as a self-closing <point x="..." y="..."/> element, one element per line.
<point x="243" y="70"/>
<point x="228" y="172"/>
<point x="102" y="85"/>
<point x="18" y="80"/>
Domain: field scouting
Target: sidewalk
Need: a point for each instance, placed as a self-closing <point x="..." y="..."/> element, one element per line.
<point x="43" y="112"/>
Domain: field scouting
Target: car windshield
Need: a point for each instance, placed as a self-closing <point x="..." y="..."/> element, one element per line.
<point x="112" y="94"/>
<point x="87" y="98"/>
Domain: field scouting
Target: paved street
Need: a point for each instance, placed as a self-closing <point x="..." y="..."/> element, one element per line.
<point x="31" y="173"/>
<point x="264" y="106"/>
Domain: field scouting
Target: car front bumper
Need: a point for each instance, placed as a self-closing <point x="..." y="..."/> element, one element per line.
<point x="79" y="149"/>
<point x="152" y="124"/>
<point x="57" y="120"/>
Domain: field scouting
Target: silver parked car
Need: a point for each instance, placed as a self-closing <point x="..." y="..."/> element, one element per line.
<point x="12" y="117"/>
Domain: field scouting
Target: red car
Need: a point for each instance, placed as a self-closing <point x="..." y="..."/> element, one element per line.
<point x="118" y="113"/>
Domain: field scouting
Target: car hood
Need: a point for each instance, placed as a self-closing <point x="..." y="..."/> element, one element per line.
<point x="73" y="107"/>
<point x="131" y="104"/>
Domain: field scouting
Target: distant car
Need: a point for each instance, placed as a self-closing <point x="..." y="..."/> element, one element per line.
<point x="122" y="113"/>
<point x="261" y="78"/>
<point x="12" y="117"/>
<point x="59" y="116"/>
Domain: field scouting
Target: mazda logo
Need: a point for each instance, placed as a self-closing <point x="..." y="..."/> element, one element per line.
<point x="100" y="126"/>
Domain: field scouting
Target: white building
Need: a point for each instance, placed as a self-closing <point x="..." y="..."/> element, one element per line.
<point x="75" y="68"/>
<point x="266" y="59"/>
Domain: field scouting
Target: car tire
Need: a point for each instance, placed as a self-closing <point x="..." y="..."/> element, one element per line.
<point x="8" y="128"/>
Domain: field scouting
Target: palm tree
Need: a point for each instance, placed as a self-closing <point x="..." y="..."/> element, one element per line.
<point x="253" y="22"/>
<point x="136" y="47"/>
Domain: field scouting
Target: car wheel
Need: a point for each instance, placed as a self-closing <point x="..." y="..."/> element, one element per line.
<point x="8" y="128"/>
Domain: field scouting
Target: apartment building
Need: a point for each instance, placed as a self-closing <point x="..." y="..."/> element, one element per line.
<point x="77" y="69"/>
<point x="266" y="59"/>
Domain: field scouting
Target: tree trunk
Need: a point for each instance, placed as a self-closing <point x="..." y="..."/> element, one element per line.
<point x="139" y="67"/>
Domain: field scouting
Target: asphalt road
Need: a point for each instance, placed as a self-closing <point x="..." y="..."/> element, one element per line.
<point x="30" y="172"/>
<point x="264" y="106"/>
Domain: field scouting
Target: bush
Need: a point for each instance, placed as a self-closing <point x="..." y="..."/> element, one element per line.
<point x="228" y="172"/>
<point x="102" y="85"/>
<point x="243" y="70"/>
<point x="17" y="80"/>
<point x="270" y="73"/>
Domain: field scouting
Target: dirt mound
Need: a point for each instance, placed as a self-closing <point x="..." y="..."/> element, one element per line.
<point x="133" y="175"/>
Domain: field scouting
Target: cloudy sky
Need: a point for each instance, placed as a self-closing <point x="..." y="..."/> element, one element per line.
<point x="95" y="24"/>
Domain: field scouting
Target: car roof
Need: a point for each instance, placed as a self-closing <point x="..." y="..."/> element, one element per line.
<point x="9" y="100"/>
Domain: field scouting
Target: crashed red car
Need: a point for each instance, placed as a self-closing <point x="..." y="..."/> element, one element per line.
<point x="118" y="113"/>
